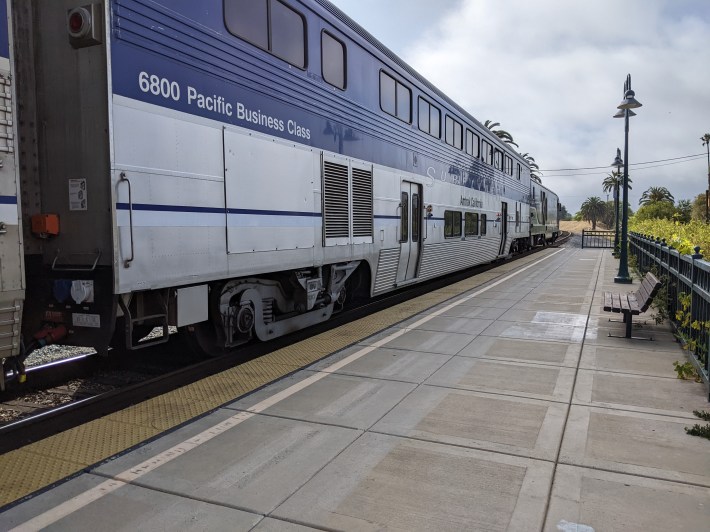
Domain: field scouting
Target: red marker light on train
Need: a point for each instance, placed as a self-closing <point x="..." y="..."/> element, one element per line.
<point x="84" y="25"/>
<point x="79" y="22"/>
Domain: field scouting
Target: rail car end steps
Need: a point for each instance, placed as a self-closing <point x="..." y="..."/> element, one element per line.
<point x="633" y="303"/>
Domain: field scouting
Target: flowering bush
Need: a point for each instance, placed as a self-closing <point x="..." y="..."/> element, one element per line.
<point x="683" y="237"/>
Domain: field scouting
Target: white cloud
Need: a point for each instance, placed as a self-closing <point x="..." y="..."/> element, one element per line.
<point x="552" y="72"/>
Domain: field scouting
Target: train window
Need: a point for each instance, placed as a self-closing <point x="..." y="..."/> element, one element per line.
<point x="416" y="217"/>
<point x="288" y="34"/>
<point x="487" y="150"/>
<point x="429" y="118"/>
<point x="471" y="223"/>
<point x="404" y="218"/>
<point x="454" y="133"/>
<point x="472" y="147"/>
<point x="498" y="159"/>
<point x="452" y="224"/>
<point x="484" y="224"/>
<point x="404" y="103"/>
<point x="520" y="172"/>
<point x="270" y="25"/>
<point x="333" y="60"/>
<point x="508" y="164"/>
<point x="395" y="98"/>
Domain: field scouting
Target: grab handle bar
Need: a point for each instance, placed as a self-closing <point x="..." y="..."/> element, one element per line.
<point x="124" y="177"/>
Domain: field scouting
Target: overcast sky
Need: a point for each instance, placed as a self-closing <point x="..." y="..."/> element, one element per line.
<point x="552" y="73"/>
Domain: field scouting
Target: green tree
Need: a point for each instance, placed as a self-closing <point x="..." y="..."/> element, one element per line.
<point x="564" y="215"/>
<point x="684" y="211"/>
<point x="500" y="133"/>
<point x="656" y="210"/>
<point x="698" y="208"/>
<point x="592" y="209"/>
<point x="535" y="174"/>
<point x="655" y="195"/>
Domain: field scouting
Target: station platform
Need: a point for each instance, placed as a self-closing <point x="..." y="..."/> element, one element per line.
<point x="498" y="403"/>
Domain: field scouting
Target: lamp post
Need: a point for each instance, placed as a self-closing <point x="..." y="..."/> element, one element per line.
<point x="706" y="142"/>
<point x="628" y="103"/>
<point x="618" y="163"/>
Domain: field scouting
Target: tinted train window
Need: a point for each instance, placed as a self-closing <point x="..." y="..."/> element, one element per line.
<point x="487" y="150"/>
<point x="452" y="224"/>
<point x="454" y="133"/>
<point x="508" y="164"/>
<point x="484" y="222"/>
<point x="429" y="118"/>
<point x="404" y="218"/>
<point x="395" y="98"/>
<point x="270" y="25"/>
<point x="520" y="171"/>
<point x="498" y="159"/>
<point x="333" y="59"/>
<point x="472" y="147"/>
<point x="471" y="223"/>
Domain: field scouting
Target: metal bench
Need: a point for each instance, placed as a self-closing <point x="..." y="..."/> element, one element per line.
<point x="633" y="303"/>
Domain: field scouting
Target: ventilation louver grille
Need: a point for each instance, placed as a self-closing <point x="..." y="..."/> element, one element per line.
<point x="362" y="203"/>
<point x="335" y="200"/>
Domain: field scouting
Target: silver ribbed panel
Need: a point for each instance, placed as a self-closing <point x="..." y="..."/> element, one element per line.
<point x="440" y="259"/>
<point x="387" y="270"/>
<point x="335" y="200"/>
<point x="362" y="202"/>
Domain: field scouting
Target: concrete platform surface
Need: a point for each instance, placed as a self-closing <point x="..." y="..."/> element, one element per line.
<point x="506" y="407"/>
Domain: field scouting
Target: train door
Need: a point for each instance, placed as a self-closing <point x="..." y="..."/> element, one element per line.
<point x="410" y="234"/>
<point x="504" y="228"/>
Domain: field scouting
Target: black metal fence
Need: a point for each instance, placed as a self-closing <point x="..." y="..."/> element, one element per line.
<point x="597" y="239"/>
<point x="687" y="282"/>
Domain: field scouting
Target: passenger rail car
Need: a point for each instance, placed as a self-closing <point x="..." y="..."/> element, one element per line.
<point x="240" y="169"/>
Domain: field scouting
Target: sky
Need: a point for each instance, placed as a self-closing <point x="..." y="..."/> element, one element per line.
<point x="552" y="72"/>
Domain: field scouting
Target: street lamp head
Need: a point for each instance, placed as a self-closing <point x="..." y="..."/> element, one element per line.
<point x="618" y="161"/>
<point x="621" y="113"/>
<point x="629" y="101"/>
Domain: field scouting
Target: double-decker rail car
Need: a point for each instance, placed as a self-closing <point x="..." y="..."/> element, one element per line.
<point x="239" y="169"/>
<point x="544" y="215"/>
<point x="12" y="281"/>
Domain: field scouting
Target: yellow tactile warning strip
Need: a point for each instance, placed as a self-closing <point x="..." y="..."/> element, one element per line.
<point x="40" y="464"/>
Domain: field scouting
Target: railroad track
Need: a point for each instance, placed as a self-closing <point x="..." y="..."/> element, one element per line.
<point x="68" y="393"/>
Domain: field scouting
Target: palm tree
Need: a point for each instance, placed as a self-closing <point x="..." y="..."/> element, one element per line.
<point x="656" y="194"/>
<point x="534" y="168"/>
<point x="500" y="133"/>
<point x="592" y="209"/>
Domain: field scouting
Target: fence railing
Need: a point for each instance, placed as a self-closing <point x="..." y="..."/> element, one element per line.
<point x="687" y="282"/>
<point x="597" y="239"/>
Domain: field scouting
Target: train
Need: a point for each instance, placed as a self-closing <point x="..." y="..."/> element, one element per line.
<point x="238" y="169"/>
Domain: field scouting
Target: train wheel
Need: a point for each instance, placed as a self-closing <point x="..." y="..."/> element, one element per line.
<point x="204" y="340"/>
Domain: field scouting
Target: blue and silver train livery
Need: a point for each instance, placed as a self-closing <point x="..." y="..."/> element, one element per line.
<point x="242" y="169"/>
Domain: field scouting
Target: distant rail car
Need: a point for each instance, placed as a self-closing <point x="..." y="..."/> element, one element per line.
<point x="239" y="169"/>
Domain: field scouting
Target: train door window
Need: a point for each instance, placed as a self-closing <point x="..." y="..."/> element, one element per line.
<point x="454" y="133"/>
<point x="517" y="215"/>
<point x="472" y="147"/>
<point x="404" y="218"/>
<point x="520" y="171"/>
<point x="270" y="25"/>
<point x="416" y="217"/>
<point x="395" y="98"/>
<point x="487" y="154"/>
<point x="452" y="224"/>
<point x="484" y="224"/>
<point x="429" y="118"/>
<point x="498" y="159"/>
<point x="471" y="223"/>
<point x="333" y="60"/>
